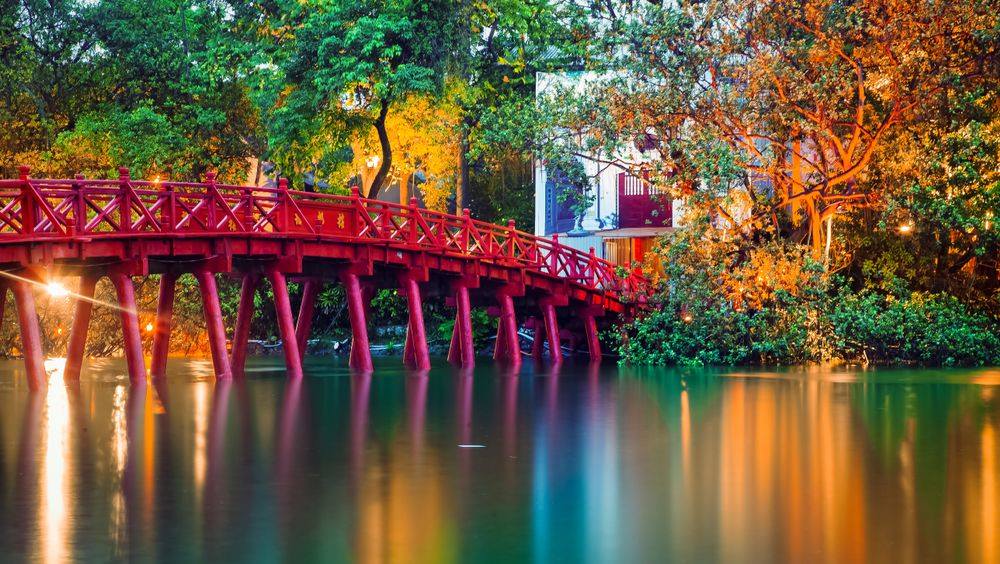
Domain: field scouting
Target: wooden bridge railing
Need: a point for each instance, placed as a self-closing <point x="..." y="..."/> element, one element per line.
<point x="42" y="209"/>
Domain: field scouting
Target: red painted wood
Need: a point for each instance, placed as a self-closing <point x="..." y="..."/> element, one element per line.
<point x="244" y="315"/>
<point x="43" y="211"/>
<point x="286" y="326"/>
<point x="590" y="332"/>
<point x="303" y="324"/>
<point x="31" y="334"/>
<point x="361" y="354"/>
<point x="163" y="325"/>
<point x="508" y="347"/>
<point x="131" y="339"/>
<point x="81" y="324"/>
<point x="552" y="331"/>
<point x="538" y="340"/>
<point x="214" y="325"/>
<point x="83" y="225"/>
<point x="462" y="351"/>
<point x="416" y="334"/>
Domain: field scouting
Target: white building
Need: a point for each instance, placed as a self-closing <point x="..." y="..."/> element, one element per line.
<point x="627" y="213"/>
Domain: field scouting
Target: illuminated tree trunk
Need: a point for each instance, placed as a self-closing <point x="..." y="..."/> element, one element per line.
<point x="383" y="139"/>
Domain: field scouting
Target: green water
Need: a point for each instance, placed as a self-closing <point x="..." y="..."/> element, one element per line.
<point x="583" y="466"/>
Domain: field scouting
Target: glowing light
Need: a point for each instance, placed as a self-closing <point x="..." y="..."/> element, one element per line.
<point x="56" y="289"/>
<point x="149" y="327"/>
<point x="688" y="318"/>
<point x="905" y="228"/>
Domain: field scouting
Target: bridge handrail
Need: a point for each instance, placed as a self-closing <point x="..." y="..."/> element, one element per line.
<point x="33" y="209"/>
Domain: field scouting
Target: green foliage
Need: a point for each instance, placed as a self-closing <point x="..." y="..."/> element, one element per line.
<point x="770" y="303"/>
<point x="917" y="328"/>
<point x="483" y="326"/>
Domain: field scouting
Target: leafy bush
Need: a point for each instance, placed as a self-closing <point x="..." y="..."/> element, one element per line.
<point x="771" y="303"/>
<point x="920" y="328"/>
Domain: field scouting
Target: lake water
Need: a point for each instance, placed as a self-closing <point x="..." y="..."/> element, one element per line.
<point x="582" y="466"/>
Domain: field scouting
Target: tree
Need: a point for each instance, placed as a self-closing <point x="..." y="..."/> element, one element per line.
<point x="341" y="66"/>
<point x="797" y="95"/>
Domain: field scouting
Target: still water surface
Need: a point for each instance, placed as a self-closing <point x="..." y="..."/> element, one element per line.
<point x="583" y="466"/>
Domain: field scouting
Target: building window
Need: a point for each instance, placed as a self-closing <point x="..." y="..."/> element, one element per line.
<point x="559" y="216"/>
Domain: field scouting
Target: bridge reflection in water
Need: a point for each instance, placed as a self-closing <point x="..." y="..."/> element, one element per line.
<point x="583" y="466"/>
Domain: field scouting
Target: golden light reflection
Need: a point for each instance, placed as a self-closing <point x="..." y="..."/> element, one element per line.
<point x="55" y="467"/>
<point x="201" y="405"/>
<point x="119" y="458"/>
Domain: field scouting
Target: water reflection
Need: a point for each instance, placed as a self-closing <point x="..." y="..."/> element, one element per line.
<point x="584" y="465"/>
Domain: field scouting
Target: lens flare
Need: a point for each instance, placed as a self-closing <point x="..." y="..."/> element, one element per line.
<point x="56" y="289"/>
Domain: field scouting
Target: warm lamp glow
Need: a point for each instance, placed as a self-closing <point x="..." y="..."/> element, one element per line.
<point x="687" y="318"/>
<point x="149" y="327"/>
<point x="56" y="290"/>
<point x="905" y="228"/>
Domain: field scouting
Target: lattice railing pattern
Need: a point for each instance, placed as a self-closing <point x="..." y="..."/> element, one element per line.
<point x="42" y="209"/>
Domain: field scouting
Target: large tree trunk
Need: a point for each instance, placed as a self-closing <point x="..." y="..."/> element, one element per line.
<point x="383" y="139"/>
<point x="462" y="192"/>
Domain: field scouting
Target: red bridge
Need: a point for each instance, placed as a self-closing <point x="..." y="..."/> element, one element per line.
<point x="126" y="228"/>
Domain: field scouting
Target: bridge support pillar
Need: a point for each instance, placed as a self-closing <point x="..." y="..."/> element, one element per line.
<point x="551" y="330"/>
<point x="244" y="315"/>
<point x="286" y="325"/>
<point x="361" y="354"/>
<point x="162" y="328"/>
<point x="303" y="324"/>
<point x="588" y="315"/>
<point x="213" y="322"/>
<point x="130" y="327"/>
<point x="462" y="351"/>
<point x="508" y="344"/>
<point x="31" y="334"/>
<point x="76" y="347"/>
<point x="415" y="353"/>
<point x="539" y="338"/>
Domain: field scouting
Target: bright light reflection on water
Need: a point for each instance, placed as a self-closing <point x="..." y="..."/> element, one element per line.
<point x="587" y="465"/>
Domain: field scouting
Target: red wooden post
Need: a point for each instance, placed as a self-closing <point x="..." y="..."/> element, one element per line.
<point x="164" y="320"/>
<point x="124" y="201"/>
<point x="3" y="299"/>
<point x="168" y="219"/>
<point x="554" y="258"/>
<point x="416" y="334"/>
<point x="248" y="222"/>
<point x="539" y="337"/>
<point x="466" y="229"/>
<point x="283" y="198"/>
<point x="508" y="347"/>
<point x="414" y="232"/>
<point x="130" y="327"/>
<point x="551" y="330"/>
<point x="303" y="324"/>
<point x="213" y="322"/>
<point x="81" y="324"/>
<point x="79" y="206"/>
<point x="31" y="334"/>
<point x="244" y="315"/>
<point x="361" y="355"/>
<point x="462" y="351"/>
<point x="511" y="239"/>
<point x="213" y="205"/>
<point x="588" y="315"/>
<point x="286" y="325"/>
<point x="28" y="203"/>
